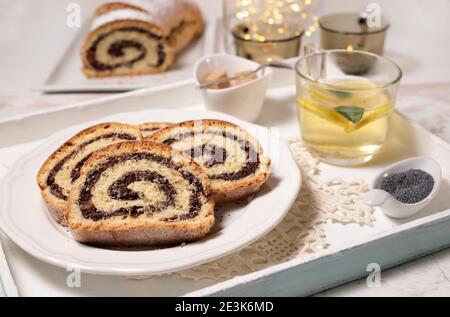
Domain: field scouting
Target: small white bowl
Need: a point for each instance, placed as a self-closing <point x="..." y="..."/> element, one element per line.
<point x="242" y="101"/>
<point x="391" y="206"/>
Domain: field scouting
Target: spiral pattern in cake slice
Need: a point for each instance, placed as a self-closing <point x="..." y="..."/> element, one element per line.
<point x="138" y="37"/>
<point x="230" y="156"/>
<point x="140" y="193"/>
<point x="148" y="128"/>
<point x="63" y="167"/>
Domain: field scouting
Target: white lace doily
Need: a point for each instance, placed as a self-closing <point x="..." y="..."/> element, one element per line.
<point x="301" y="232"/>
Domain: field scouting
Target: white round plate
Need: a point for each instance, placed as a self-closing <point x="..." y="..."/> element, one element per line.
<point x="24" y="218"/>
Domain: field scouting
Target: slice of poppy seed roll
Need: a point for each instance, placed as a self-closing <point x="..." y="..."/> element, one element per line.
<point x="230" y="156"/>
<point x="140" y="194"/>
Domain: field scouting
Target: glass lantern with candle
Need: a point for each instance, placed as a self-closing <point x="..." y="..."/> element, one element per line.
<point x="265" y="30"/>
<point x="353" y="31"/>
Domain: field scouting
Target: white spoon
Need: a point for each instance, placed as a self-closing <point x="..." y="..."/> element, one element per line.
<point x="391" y="206"/>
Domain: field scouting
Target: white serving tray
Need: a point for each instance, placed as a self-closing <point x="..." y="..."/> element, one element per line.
<point x="66" y="74"/>
<point x="389" y="242"/>
<point x="7" y="285"/>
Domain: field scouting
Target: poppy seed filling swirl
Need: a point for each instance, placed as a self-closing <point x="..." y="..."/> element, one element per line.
<point x="55" y="188"/>
<point x="119" y="189"/>
<point x="218" y="155"/>
<point x="117" y="49"/>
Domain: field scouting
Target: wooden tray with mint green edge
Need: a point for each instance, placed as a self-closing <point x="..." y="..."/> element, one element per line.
<point x="7" y="285"/>
<point x="388" y="243"/>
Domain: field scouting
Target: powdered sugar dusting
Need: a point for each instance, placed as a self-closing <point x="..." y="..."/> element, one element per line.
<point x="162" y="13"/>
<point x="117" y="15"/>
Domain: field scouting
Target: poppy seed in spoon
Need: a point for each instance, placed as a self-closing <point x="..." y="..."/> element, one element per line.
<point x="408" y="187"/>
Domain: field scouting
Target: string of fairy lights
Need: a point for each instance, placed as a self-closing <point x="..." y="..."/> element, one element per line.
<point x="276" y="12"/>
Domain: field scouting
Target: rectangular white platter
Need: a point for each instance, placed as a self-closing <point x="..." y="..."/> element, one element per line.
<point x="66" y="74"/>
<point x="389" y="242"/>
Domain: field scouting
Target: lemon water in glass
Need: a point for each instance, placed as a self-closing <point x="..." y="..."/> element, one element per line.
<point x="344" y="111"/>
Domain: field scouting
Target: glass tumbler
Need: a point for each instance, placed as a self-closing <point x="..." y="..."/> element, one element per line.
<point x="344" y="101"/>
